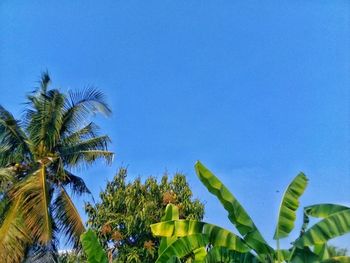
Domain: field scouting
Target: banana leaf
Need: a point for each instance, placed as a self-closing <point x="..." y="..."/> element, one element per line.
<point x="323" y="210"/>
<point x="199" y="254"/>
<point x="320" y="211"/>
<point x="285" y="254"/>
<point x="304" y="255"/>
<point x="322" y="251"/>
<point x="92" y="248"/>
<point x="289" y="205"/>
<point x="341" y="259"/>
<point x="182" y="247"/>
<point x="236" y="213"/>
<point x="171" y="213"/>
<point x="217" y="236"/>
<point x="335" y="225"/>
<point x="224" y="255"/>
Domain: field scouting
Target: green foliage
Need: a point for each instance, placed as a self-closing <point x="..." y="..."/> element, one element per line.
<point x="92" y="248"/>
<point x="215" y="235"/>
<point x="304" y="255"/>
<point x="71" y="257"/>
<point x="171" y="213"/>
<point x="183" y="246"/>
<point x="222" y="245"/>
<point x="289" y="205"/>
<point x="222" y="254"/>
<point x="236" y="213"/>
<point x="127" y="209"/>
<point x="340" y="259"/>
<point x="288" y="208"/>
<point x="335" y="225"/>
<point x="37" y="153"/>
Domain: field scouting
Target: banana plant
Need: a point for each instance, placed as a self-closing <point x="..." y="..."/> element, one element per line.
<point x="288" y="208"/>
<point x="211" y="243"/>
<point x="92" y="248"/>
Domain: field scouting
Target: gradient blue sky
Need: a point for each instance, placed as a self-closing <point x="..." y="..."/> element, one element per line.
<point x="256" y="90"/>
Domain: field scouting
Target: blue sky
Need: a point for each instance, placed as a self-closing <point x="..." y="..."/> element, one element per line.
<point x="256" y="90"/>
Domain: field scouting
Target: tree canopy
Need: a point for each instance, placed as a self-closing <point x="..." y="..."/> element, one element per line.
<point x="127" y="209"/>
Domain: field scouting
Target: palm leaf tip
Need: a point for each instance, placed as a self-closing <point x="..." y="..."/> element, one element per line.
<point x="90" y="99"/>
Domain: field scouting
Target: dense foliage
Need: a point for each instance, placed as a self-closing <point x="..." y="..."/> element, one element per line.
<point x="211" y="243"/>
<point x="127" y="209"/>
<point x="37" y="156"/>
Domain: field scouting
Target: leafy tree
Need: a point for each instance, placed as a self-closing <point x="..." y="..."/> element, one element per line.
<point x="127" y="209"/>
<point x="38" y="154"/>
<point x="211" y="243"/>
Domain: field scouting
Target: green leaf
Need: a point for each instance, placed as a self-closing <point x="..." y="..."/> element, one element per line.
<point x="335" y="225"/>
<point x="217" y="235"/>
<point x="67" y="215"/>
<point x="285" y="254"/>
<point x="7" y="178"/>
<point x="199" y="254"/>
<point x="322" y="251"/>
<point x="14" y="236"/>
<point x="34" y="196"/>
<point x="236" y="213"/>
<point x="171" y="213"/>
<point x="304" y="255"/>
<point x="323" y="210"/>
<point x="289" y="205"/>
<point x="320" y="211"/>
<point x="222" y="254"/>
<point x="341" y="259"/>
<point x="13" y="141"/>
<point x="183" y="246"/>
<point x="92" y="248"/>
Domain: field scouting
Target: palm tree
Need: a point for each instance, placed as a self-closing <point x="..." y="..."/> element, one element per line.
<point x="39" y="153"/>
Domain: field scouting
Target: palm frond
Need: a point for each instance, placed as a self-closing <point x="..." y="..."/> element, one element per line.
<point x="69" y="221"/>
<point x="45" y="121"/>
<point x="96" y="143"/>
<point x="86" y="151"/>
<point x="35" y="196"/>
<point x="14" y="236"/>
<point x="44" y="81"/>
<point x="76" y="184"/>
<point x="42" y="254"/>
<point x="7" y="178"/>
<point x="13" y="141"/>
<point x="87" y="132"/>
<point x="87" y="157"/>
<point x="4" y="206"/>
<point x="80" y="105"/>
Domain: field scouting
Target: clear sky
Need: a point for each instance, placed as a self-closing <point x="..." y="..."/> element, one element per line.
<point x="256" y="90"/>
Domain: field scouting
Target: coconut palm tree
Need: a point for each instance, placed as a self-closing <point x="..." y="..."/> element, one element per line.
<point x="38" y="155"/>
